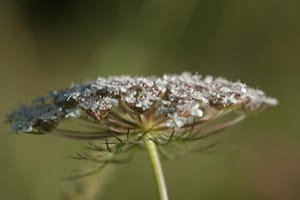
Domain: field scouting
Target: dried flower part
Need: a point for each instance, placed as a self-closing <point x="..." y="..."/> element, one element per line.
<point x="123" y="105"/>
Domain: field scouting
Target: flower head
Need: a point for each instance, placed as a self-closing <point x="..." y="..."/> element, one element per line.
<point x="170" y="107"/>
<point x="125" y="112"/>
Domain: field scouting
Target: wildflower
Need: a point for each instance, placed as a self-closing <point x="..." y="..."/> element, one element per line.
<point x="123" y="106"/>
<point x="130" y="111"/>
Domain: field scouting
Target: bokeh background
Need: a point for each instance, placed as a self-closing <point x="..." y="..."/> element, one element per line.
<point x="46" y="45"/>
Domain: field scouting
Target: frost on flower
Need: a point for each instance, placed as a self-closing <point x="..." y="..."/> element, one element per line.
<point x="173" y="107"/>
<point x="120" y="112"/>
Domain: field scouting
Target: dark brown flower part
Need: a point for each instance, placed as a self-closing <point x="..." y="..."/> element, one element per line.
<point x="122" y="104"/>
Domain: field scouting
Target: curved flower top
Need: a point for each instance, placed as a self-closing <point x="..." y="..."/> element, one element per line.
<point x="123" y="104"/>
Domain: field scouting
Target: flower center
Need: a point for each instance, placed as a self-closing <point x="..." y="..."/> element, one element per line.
<point x="147" y="124"/>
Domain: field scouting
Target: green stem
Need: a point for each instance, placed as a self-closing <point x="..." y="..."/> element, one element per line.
<point x="157" y="169"/>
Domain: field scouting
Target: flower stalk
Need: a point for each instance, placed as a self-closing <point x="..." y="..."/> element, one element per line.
<point x="153" y="155"/>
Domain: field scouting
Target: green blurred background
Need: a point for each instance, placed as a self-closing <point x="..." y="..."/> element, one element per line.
<point x="46" y="45"/>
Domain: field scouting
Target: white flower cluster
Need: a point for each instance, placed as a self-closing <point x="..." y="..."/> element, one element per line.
<point x="181" y="98"/>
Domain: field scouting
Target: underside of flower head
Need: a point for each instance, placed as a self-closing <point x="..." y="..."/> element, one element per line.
<point x="123" y="108"/>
